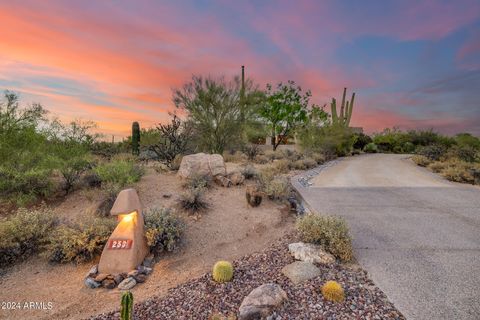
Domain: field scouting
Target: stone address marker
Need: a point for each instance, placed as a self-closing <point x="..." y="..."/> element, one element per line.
<point x="127" y="247"/>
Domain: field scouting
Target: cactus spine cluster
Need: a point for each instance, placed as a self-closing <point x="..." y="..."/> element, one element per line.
<point x="222" y="271"/>
<point x="345" y="110"/>
<point x="126" y="312"/>
<point x="333" y="291"/>
<point x="135" y="138"/>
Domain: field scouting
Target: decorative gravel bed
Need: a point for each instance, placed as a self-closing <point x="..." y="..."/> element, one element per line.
<point x="199" y="298"/>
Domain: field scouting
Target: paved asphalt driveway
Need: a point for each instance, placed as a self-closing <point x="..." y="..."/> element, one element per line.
<point x="416" y="234"/>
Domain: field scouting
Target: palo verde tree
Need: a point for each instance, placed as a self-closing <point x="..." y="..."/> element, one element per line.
<point x="284" y="109"/>
<point x="217" y="109"/>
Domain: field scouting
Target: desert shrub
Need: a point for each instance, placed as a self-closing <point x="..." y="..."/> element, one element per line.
<point x="422" y="161"/>
<point x="249" y="172"/>
<point x="390" y="140"/>
<point x="106" y="149"/>
<point x="303" y="164"/>
<point x="197" y="181"/>
<point x="408" y="147"/>
<point x="120" y="173"/>
<point x="437" y="166"/>
<point x="459" y="171"/>
<point x="251" y="151"/>
<point x="79" y="242"/>
<point x="433" y="152"/>
<point x="329" y="140"/>
<point x="25" y="186"/>
<point x="261" y="159"/>
<point x="361" y="140"/>
<point x="71" y="170"/>
<point x="278" y="188"/>
<point x="329" y="231"/>
<point x="234" y="156"/>
<point x="464" y="153"/>
<point x="467" y="140"/>
<point x="318" y="157"/>
<point x="23" y="233"/>
<point x="160" y="167"/>
<point x="193" y="201"/>
<point x="282" y="166"/>
<point x="163" y="230"/>
<point x="291" y="155"/>
<point x="371" y="148"/>
<point x="270" y="171"/>
<point x="171" y="140"/>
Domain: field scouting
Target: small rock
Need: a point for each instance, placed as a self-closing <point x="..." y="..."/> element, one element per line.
<point x="300" y="271"/>
<point x="93" y="271"/>
<point x="254" y="195"/>
<point x="222" y="181"/>
<point x="92" y="284"/>
<point x="236" y="178"/>
<point x="119" y="277"/>
<point x="149" y="261"/>
<point x="100" y="277"/>
<point x="133" y="273"/>
<point x="310" y="253"/>
<point x="127" y="284"/>
<point x="108" y="284"/>
<point x="167" y="195"/>
<point x="144" y="270"/>
<point x="140" y="278"/>
<point x="261" y="302"/>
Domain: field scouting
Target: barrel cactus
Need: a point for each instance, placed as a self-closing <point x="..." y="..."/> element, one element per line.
<point x="333" y="291"/>
<point x="135" y="138"/>
<point x="126" y="312"/>
<point x="222" y="271"/>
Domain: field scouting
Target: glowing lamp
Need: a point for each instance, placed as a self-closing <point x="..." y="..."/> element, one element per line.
<point x="127" y="247"/>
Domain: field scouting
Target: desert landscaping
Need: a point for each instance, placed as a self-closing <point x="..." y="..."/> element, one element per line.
<point x="216" y="160"/>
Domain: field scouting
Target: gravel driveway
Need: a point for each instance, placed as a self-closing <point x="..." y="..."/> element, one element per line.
<point x="416" y="234"/>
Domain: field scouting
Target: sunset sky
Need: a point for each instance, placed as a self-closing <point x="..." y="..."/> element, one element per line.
<point x="413" y="64"/>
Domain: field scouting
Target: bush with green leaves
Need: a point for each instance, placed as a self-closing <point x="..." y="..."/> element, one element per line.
<point x="24" y="233"/>
<point x="433" y="152"/>
<point x="331" y="232"/>
<point x="420" y="160"/>
<point x="163" y="229"/>
<point x="361" y="140"/>
<point x="119" y="172"/>
<point x="78" y="242"/>
<point x="329" y="140"/>
<point x="371" y="148"/>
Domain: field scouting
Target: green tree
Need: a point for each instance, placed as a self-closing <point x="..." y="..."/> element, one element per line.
<point x="285" y="109"/>
<point x="218" y="110"/>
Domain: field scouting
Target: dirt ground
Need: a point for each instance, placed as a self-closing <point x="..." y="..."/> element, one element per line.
<point x="229" y="230"/>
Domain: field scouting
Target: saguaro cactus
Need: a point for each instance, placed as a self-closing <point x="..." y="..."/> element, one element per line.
<point x="126" y="312"/>
<point x="135" y="138"/>
<point x="345" y="110"/>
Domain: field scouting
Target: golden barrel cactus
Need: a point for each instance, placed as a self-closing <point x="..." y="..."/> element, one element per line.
<point x="222" y="271"/>
<point x="333" y="291"/>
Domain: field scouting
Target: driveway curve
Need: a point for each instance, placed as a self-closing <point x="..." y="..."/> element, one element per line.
<point x="416" y="234"/>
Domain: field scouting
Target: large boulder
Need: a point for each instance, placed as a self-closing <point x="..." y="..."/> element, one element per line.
<point x="201" y="164"/>
<point x="310" y="253"/>
<point x="300" y="271"/>
<point x="261" y="302"/>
